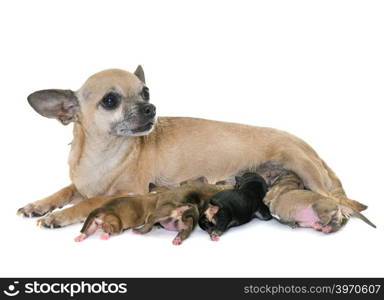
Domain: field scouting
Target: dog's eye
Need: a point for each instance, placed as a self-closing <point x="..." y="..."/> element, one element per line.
<point x="110" y="101"/>
<point x="145" y="93"/>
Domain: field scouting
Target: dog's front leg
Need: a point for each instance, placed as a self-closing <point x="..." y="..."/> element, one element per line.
<point x="74" y="214"/>
<point x="48" y="204"/>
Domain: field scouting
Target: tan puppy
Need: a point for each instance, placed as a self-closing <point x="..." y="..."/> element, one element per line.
<point x="176" y="210"/>
<point x="291" y="204"/>
<point x="119" y="214"/>
<point x="118" y="147"/>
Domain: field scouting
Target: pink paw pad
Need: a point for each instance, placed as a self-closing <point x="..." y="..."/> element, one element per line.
<point x="317" y="226"/>
<point x="104" y="236"/>
<point x="176" y="241"/>
<point x="80" y="238"/>
<point x="326" y="229"/>
<point x="215" y="237"/>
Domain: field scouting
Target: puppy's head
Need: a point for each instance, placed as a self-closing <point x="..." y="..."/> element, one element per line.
<point x="111" y="102"/>
<point x="251" y="181"/>
<point x="112" y="224"/>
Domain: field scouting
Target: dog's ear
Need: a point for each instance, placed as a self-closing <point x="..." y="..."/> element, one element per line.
<point x="59" y="104"/>
<point x="140" y="73"/>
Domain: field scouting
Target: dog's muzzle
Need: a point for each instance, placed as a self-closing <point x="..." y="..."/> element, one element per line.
<point x="148" y="110"/>
<point x="148" y="113"/>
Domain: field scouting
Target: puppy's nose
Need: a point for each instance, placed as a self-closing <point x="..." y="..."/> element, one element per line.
<point x="149" y="110"/>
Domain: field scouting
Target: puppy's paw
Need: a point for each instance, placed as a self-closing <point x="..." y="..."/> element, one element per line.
<point x="331" y="218"/>
<point x="177" y="241"/>
<point x="323" y="228"/>
<point x="337" y="221"/>
<point x="56" y="220"/>
<point x="215" y="237"/>
<point x="34" y="209"/>
<point x="80" y="237"/>
<point x="105" y="236"/>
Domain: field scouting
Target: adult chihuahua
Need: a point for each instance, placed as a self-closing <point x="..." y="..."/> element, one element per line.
<point x="119" y="147"/>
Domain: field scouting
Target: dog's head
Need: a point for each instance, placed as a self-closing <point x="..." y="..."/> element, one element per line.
<point x="113" y="102"/>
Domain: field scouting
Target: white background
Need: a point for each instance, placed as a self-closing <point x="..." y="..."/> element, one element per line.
<point x="313" y="68"/>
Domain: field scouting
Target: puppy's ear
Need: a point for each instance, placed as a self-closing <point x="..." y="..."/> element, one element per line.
<point x="221" y="182"/>
<point x="140" y="73"/>
<point x="238" y="179"/>
<point x="202" y="179"/>
<point x="59" y="104"/>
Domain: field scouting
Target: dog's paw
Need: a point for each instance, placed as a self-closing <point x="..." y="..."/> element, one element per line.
<point x="34" y="209"/>
<point x="80" y="237"/>
<point x="55" y="220"/>
<point x="323" y="228"/>
<point x="177" y="241"/>
<point x="105" y="236"/>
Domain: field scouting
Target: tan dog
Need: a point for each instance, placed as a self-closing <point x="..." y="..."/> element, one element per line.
<point x="176" y="210"/>
<point x="291" y="204"/>
<point x="118" y="147"/>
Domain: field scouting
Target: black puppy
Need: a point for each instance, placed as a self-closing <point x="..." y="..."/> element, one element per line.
<point x="235" y="207"/>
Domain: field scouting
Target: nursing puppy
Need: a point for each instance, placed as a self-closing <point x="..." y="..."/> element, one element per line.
<point x="119" y="147"/>
<point x="291" y="204"/>
<point x="120" y="213"/>
<point x="181" y="211"/>
<point x="236" y="206"/>
<point x="176" y="210"/>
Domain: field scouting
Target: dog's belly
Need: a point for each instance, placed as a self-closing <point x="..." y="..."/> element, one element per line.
<point x="215" y="150"/>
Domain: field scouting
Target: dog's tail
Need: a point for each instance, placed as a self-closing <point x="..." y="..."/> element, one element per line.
<point x="338" y="193"/>
<point x="364" y="218"/>
<point x="347" y="211"/>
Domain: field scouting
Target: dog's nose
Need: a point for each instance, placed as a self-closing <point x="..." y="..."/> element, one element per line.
<point x="149" y="110"/>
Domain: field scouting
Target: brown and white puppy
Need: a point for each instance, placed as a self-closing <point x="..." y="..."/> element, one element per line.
<point x="119" y="147"/>
<point x="180" y="209"/>
<point x="291" y="204"/>
<point x="176" y="210"/>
